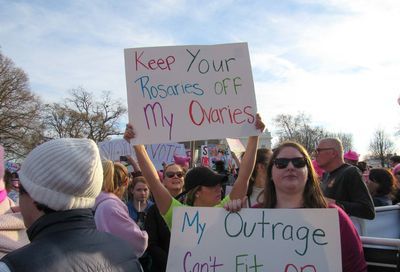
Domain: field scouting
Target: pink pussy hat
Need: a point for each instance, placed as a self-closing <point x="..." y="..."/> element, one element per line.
<point x="2" y="186"/>
<point x="182" y="161"/>
<point x="351" y="155"/>
<point x="396" y="169"/>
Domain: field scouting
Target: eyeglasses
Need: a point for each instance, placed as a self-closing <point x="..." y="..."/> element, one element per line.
<point x="179" y="174"/>
<point x="318" y="150"/>
<point x="282" y="163"/>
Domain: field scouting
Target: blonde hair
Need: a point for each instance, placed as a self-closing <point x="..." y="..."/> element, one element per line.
<point x="114" y="178"/>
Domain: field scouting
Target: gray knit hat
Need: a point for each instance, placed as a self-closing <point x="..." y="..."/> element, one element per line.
<point x="63" y="174"/>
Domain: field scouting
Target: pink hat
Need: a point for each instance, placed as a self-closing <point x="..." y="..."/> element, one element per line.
<point x="396" y="169"/>
<point x="2" y="186"/>
<point x="317" y="169"/>
<point x="182" y="161"/>
<point x="351" y="155"/>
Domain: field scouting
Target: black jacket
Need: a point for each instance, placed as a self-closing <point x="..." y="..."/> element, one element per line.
<point x="159" y="238"/>
<point x="346" y="186"/>
<point x="68" y="241"/>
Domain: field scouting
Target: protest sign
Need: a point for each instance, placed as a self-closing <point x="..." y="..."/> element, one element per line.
<point x="197" y="92"/>
<point x="160" y="153"/>
<point x="113" y="149"/>
<point x="235" y="145"/>
<point x="255" y="240"/>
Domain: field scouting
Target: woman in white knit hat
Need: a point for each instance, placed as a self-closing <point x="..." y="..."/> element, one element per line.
<point x="59" y="181"/>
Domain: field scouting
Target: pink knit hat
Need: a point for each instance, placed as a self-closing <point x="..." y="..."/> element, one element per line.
<point x="351" y="155"/>
<point x="2" y="186"/>
<point x="182" y="161"/>
<point x="396" y="169"/>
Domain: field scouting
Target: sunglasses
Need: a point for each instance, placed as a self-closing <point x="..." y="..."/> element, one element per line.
<point x="282" y="163"/>
<point x="179" y="174"/>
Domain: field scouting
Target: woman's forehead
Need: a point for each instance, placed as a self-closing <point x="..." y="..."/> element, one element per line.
<point x="289" y="151"/>
<point x="174" y="167"/>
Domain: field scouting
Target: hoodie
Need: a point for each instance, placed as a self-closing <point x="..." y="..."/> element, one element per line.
<point x="112" y="216"/>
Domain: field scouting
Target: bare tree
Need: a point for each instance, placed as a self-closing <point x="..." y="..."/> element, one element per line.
<point x="299" y="128"/>
<point x="381" y="146"/>
<point x="20" y="124"/>
<point x="345" y="138"/>
<point x="82" y="116"/>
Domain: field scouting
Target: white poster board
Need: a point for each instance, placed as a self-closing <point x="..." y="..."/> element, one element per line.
<point x="279" y="240"/>
<point x="196" y="92"/>
<point x="236" y="146"/>
<point x="113" y="149"/>
<point x="160" y="153"/>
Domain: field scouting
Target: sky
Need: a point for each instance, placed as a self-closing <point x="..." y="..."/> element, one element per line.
<point x="337" y="61"/>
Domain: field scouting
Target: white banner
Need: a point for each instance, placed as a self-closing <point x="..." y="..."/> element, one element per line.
<point x="197" y="92"/>
<point x="279" y="240"/>
<point x="160" y="153"/>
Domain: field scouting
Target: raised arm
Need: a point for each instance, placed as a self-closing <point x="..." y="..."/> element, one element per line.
<point x="160" y="193"/>
<point x="247" y="164"/>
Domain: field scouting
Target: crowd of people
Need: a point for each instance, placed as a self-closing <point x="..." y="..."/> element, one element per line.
<point x="66" y="210"/>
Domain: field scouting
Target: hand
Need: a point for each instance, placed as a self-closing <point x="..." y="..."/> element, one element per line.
<point x="129" y="133"/>
<point x="236" y="205"/>
<point x="259" y="123"/>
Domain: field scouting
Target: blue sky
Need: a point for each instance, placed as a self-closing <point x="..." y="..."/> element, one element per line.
<point x="337" y="61"/>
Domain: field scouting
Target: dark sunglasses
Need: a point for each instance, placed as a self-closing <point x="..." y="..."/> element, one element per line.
<point x="172" y="174"/>
<point x="282" y="163"/>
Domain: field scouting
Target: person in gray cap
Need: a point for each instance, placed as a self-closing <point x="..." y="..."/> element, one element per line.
<point x="60" y="181"/>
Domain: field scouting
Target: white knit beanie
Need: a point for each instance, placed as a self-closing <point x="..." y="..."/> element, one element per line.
<point x="63" y="174"/>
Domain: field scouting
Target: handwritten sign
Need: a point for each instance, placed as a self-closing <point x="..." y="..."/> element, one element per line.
<point x="160" y="153"/>
<point x="279" y="240"/>
<point x="112" y="150"/>
<point x="182" y="93"/>
<point x="235" y="145"/>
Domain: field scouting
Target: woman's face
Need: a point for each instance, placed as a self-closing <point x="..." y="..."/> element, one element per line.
<point x="209" y="196"/>
<point x="140" y="192"/>
<point x="173" y="178"/>
<point x="289" y="180"/>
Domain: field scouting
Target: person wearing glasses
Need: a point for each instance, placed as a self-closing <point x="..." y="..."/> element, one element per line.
<point x="203" y="187"/>
<point x="292" y="183"/>
<point x="342" y="183"/>
<point x="157" y="229"/>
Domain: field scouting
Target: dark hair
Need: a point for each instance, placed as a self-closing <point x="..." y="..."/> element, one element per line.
<point x="385" y="180"/>
<point x="39" y="206"/>
<point x="312" y="194"/>
<point x="362" y="165"/>
<point x="7" y="179"/>
<point x="262" y="157"/>
<point x="395" y="159"/>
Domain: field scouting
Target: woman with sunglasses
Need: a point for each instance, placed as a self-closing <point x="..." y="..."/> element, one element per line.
<point x="202" y="186"/>
<point x="292" y="183"/>
<point x="157" y="229"/>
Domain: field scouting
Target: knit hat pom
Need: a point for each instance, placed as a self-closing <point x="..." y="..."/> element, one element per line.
<point x="63" y="174"/>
